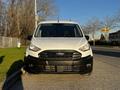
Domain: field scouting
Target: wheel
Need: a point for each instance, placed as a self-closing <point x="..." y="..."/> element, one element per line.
<point x="30" y="68"/>
<point x="86" y="69"/>
<point x="90" y="69"/>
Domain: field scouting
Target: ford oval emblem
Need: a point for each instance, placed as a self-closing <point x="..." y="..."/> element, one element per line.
<point x="60" y="54"/>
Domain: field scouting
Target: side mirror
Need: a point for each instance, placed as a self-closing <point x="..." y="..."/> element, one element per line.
<point x="29" y="37"/>
<point x="87" y="37"/>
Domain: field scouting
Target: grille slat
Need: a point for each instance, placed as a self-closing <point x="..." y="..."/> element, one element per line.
<point x="51" y="54"/>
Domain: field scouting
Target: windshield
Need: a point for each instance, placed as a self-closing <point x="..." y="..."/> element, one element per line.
<point x="58" y="30"/>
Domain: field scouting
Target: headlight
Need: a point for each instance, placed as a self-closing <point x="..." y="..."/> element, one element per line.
<point x="34" y="48"/>
<point x="84" y="48"/>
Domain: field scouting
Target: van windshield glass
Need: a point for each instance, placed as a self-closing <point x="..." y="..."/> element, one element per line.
<point x="58" y="30"/>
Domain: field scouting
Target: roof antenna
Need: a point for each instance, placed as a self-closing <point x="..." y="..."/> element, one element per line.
<point x="58" y="19"/>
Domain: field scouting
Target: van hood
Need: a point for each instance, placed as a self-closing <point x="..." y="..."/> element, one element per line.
<point x="59" y="43"/>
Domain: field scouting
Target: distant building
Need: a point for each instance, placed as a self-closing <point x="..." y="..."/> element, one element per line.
<point x="115" y="37"/>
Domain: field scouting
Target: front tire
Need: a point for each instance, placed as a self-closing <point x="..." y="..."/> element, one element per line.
<point x="86" y="69"/>
<point x="32" y="67"/>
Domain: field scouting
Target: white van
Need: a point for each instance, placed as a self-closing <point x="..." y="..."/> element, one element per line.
<point x="59" y="43"/>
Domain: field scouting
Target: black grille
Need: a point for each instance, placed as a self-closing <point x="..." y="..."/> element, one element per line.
<point x="60" y="54"/>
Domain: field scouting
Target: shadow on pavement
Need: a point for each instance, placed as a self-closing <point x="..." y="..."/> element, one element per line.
<point x="107" y="53"/>
<point x="13" y="77"/>
<point x="1" y="59"/>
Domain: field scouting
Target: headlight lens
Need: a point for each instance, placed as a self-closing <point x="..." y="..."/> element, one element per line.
<point x="84" y="48"/>
<point x="34" y="48"/>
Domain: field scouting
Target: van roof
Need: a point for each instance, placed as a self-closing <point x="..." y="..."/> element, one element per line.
<point x="58" y="21"/>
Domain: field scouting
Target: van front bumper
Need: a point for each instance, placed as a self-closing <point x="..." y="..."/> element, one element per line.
<point x="58" y="61"/>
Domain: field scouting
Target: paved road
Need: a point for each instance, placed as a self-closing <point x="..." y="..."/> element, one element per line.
<point x="105" y="76"/>
<point x="106" y="51"/>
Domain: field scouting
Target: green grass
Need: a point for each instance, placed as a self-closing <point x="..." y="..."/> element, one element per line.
<point x="7" y="57"/>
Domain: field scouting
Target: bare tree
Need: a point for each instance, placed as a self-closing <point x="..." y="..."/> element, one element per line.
<point x="110" y="23"/>
<point x="46" y="8"/>
<point x="117" y="17"/>
<point x="92" y="27"/>
<point x="2" y="17"/>
<point x="21" y="16"/>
